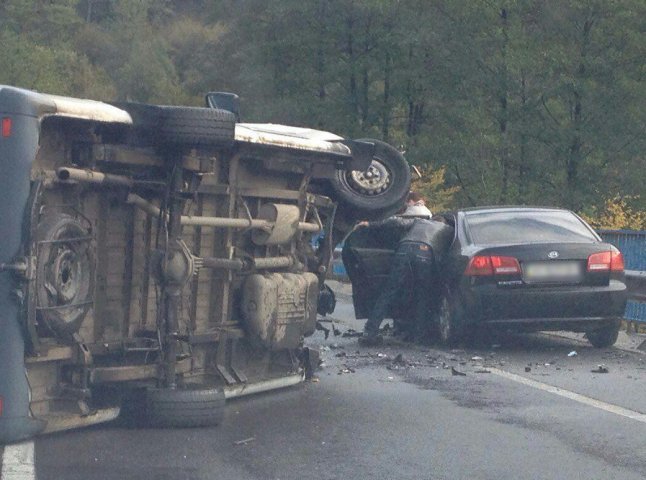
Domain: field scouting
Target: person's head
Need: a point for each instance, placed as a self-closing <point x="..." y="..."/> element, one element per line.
<point x="415" y="198"/>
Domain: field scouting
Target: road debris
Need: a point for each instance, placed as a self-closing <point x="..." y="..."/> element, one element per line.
<point x="350" y="332"/>
<point x="477" y="359"/>
<point x="326" y="331"/>
<point x="600" y="369"/>
<point x="528" y="369"/>
<point x="245" y="441"/>
<point x="482" y="370"/>
<point x="572" y="353"/>
<point x="455" y="372"/>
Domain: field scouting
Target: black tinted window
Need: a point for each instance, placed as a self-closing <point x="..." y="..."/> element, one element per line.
<point x="513" y="227"/>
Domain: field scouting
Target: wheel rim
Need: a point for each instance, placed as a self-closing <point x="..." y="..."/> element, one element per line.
<point x="375" y="180"/>
<point x="445" y="320"/>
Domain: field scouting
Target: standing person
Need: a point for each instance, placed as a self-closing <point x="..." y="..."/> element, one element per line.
<point x="415" y="267"/>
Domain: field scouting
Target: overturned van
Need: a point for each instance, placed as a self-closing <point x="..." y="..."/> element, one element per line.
<point x="158" y="260"/>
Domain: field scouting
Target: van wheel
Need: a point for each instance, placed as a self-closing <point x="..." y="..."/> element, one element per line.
<point x="603" y="337"/>
<point x="196" y="126"/>
<point x="184" y="407"/>
<point x="64" y="274"/>
<point x="380" y="189"/>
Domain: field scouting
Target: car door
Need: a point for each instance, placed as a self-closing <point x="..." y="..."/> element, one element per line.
<point x="367" y="256"/>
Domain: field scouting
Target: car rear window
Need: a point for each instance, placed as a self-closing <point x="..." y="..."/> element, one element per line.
<point x="514" y="227"/>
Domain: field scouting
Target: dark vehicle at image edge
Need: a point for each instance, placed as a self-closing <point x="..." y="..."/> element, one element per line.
<point x="509" y="268"/>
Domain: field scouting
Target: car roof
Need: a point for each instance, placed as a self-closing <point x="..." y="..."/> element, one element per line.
<point x="509" y="208"/>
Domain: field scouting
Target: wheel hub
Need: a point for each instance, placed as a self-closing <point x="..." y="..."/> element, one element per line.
<point x="373" y="181"/>
<point x="65" y="274"/>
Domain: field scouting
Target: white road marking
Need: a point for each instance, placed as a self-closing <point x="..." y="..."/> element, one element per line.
<point x="18" y="462"/>
<point x="577" y="397"/>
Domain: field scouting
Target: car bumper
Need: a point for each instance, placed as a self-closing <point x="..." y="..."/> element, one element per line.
<point x="544" y="308"/>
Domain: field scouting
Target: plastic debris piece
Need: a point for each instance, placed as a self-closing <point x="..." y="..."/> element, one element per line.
<point x="600" y="369"/>
<point x="457" y="373"/>
<point x="245" y="441"/>
<point x="572" y="353"/>
<point x="477" y="358"/>
<point x="351" y="333"/>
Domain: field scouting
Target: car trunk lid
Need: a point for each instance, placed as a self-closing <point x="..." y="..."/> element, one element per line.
<point x="547" y="264"/>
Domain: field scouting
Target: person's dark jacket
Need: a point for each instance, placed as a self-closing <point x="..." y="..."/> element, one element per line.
<point x="438" y="235"/>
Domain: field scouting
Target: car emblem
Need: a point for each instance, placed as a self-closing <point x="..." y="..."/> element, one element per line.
<point x="553" y="254"/>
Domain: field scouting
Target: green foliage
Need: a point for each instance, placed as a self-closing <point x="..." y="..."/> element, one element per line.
<point x="513" y="101"/>
<point x="431" y="184"/>
<point x="617" y="213"/>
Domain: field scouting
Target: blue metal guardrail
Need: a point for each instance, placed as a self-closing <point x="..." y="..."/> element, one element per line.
<point x="632" y="244"/>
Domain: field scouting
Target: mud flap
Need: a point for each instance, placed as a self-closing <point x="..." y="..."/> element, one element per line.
<point x="311" y="361"/>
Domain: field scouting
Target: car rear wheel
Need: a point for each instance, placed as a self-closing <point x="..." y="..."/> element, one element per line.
<point x="449" y="324"/>
<point x="603" y="337"/>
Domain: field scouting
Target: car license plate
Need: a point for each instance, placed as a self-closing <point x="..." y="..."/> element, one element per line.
<point x="552" y="272"/>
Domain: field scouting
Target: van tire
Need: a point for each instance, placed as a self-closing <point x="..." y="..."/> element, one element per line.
<point x="381" y="189"/>
<point x="184" y="407"/>
<point x="188" y="126"/>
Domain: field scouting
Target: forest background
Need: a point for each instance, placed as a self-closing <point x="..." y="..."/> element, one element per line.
<point x="500" y="101"/>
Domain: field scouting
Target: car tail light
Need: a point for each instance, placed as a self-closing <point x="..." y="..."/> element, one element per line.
<point x="616" y="261"/>
<point x="611" y="261"/>
<point x="6" y="127"/>
<point x="484" y="265"/>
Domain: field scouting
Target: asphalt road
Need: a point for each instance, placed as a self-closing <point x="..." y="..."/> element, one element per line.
<point x="524" y="409"/>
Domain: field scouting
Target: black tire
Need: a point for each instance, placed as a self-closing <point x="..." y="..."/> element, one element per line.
<point x="190" y="126"/>
<point x="184" y="407"/>
<point x="382" y="189"/>
<point x="605" y="336"/>
<point x="64" y="274"/>
<point x="146" y="120"/>
<point x="449" y="321"/>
